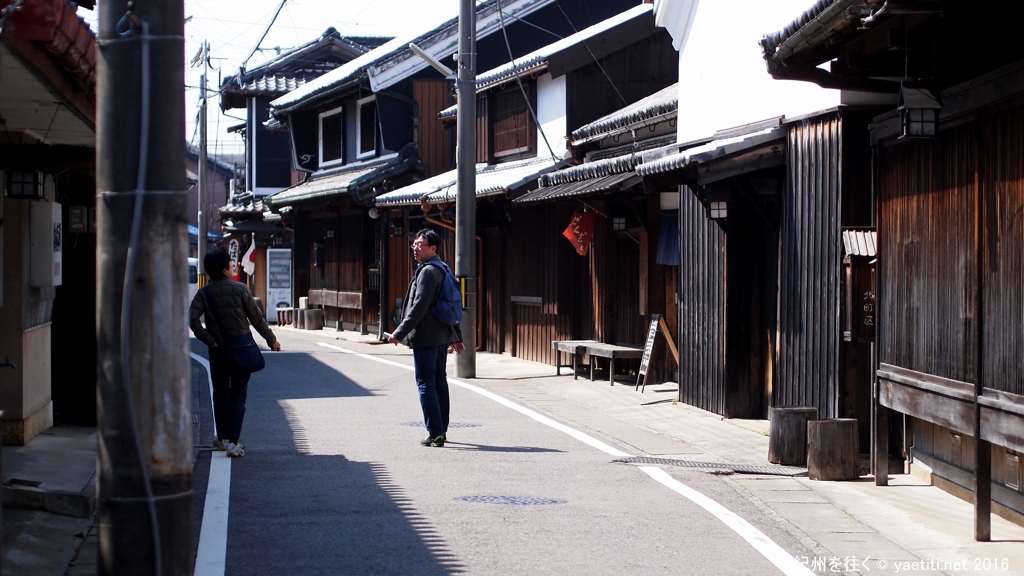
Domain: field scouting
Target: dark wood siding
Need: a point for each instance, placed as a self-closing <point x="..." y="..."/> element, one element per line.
<point x="702" y="300"/>
<point x="926" y="265"/>
<point x="808" y="352"/>
<point x="1003" y="296"/>
<point x="432" y="96"/>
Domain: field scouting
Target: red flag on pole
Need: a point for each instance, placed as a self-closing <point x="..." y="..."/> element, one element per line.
<point x="581" y="231"/>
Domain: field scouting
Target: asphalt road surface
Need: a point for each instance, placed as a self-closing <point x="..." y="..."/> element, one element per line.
<point x="334" y="481"/>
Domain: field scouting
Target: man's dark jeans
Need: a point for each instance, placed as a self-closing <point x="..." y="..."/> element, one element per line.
<point x="432" y="380"/>
<point x="229" y="392"/>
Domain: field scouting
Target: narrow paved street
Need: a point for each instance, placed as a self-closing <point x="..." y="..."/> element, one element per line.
<point x="334" y="481"/>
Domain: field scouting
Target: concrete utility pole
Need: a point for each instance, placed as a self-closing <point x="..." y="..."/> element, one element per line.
<point x="465" y="203"/>
<point x="144" y="466"/>
<point x="204" y="191"/>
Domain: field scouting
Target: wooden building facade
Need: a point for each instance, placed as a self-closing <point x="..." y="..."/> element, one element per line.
<point x="761" y="289"/>
<point x="949" y="289"/>
<point x="947" y="178"/>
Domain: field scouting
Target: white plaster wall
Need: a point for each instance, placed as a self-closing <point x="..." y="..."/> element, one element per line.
<point x="551" y="115"/>
<point x="722" y="78"/>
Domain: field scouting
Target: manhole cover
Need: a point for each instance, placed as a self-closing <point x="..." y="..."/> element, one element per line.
<point x="510" y="500"/>
<point x="450" y="425"/>
<point x="718" y="467"/>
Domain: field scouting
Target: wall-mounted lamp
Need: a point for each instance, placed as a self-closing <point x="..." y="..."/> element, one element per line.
<point x="618" y="224"/>
<point x="919" y="112"/>
<point x="25" y="184"/>
<point x="718" y="210"/>
<point x="397" y="227"/>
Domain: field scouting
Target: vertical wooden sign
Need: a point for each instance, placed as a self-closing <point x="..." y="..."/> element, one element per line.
<point x="652" y="333"/>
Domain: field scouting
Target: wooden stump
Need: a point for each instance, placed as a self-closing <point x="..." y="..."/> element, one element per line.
<point x="787" y="438"/>
<point x="314" y="319"/>
<point x="832" y="449"/>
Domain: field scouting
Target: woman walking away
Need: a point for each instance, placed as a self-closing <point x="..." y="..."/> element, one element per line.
<point x="228" y="307"/>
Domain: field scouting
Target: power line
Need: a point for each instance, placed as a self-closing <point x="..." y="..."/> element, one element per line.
<point x="260" y="41"/>
<point x="519" y="81"/>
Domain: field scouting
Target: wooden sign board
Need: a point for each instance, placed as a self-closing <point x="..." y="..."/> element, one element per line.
<point x="652" y="334"/>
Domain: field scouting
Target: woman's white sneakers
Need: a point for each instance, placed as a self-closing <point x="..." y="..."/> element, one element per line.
<point x="234" y="450"/>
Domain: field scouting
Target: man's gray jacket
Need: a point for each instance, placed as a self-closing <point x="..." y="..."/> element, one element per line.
<point x="235" y="309"/>
<point x="419" y="327"/>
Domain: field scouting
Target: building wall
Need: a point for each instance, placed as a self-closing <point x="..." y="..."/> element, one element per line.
<point x="25" y="392"/>
<point x="808" y="338"/>
<point x="551" y="115"/>
<point x="722" y="72"/>
<point x="702" y="300"/>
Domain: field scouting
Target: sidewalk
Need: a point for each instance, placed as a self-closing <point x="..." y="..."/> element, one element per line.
<point x="854" y="527"/>
<point x="49" y="498"/>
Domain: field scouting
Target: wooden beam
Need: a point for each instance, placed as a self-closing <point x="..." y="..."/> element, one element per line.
<point x="669" y="340"/>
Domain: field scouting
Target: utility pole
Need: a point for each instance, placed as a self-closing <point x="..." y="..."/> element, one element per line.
<point x="204" y="191"/>
<point x="144" y="465"/>
<point x="465" y="203"/>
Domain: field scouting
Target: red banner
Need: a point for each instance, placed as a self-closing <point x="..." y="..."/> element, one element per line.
<point x="581" y="231"/>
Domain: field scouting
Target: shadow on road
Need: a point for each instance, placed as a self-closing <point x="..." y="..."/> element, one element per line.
<point x="292" y="512"/>
<point x="486" y="448"/>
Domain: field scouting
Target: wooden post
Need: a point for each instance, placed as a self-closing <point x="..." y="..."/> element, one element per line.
<point x="881" y="448"/>
<point x="832" y="450"/>
<point x="787" y="437"/>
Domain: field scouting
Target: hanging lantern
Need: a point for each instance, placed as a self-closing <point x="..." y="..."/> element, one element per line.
<point x="919" y="112"/>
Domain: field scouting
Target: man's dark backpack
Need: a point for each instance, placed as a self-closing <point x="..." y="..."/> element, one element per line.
<point x="448" y="308"/>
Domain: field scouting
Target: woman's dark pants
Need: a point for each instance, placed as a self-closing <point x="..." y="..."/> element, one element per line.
<point x="229" y="392"/>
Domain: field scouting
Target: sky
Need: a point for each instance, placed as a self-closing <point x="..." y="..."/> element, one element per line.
<point x="233" y="27"/>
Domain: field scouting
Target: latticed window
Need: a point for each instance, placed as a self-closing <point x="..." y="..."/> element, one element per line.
<point x="513" y="129"/>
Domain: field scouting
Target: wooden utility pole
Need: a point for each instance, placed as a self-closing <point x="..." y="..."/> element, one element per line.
<point x="144" y="466"/>
<point x="465" y="200"/>
<point x="204" y="190"/>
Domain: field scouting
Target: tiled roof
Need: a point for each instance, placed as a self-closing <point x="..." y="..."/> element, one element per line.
<point x="490" y="180"/>
<point x="330" y="182"/>
<point x="598" y="169"/>
<point x="540" y="57"/>
<point x="658" y="107"/>
<point x="714" y="149"/>
<point x="579" y="188"/>
<point x="634" y="147"/>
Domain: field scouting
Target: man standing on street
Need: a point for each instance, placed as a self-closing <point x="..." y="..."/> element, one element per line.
<point x="428" y="336"/>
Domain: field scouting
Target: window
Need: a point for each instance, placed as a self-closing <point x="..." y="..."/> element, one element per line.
<point x="366" y="130"/>
<point x="330" y="137"/>
<point x="513" y="129"/>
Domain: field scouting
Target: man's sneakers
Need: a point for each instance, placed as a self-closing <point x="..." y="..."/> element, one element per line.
<point x="219" y="445"/>
<point x="234" y="450"/>
<point x="434" y="441"/>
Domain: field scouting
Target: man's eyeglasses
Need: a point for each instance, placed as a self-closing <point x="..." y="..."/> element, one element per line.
<point x="416" y="245"/>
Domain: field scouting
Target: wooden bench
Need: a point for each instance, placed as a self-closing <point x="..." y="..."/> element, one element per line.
<point x="573" y="347"/>
<point x="612" y="353"/>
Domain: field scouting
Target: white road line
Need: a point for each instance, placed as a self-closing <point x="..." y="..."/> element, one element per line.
<point x="775" y="554"/>
<point x="782" y="560"/>
<point x="211" y="558"/>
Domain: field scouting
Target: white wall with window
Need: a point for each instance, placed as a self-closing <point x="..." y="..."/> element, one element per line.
<point x="551" y="116"/>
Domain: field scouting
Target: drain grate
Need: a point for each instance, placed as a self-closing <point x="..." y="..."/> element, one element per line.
<point x="738" y="468"/>
<point x="510" y="500"/>
<point x="450" y="425"/>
